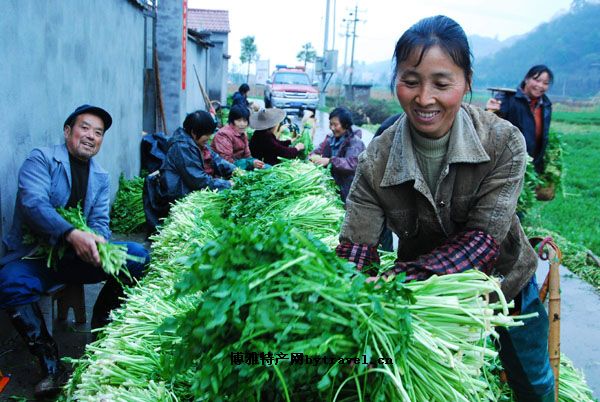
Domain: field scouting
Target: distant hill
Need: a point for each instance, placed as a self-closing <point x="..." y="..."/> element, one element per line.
<point x="482" y="46"/>
<point x="569" y="45"/>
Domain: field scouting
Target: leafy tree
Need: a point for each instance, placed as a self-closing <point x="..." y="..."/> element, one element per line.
<point x="308" y="54"/>
<point x="249" y="53"/>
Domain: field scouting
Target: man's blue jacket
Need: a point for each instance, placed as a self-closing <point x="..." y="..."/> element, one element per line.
<point x="44" y="185"/>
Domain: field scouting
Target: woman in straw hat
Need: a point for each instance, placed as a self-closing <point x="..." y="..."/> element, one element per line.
<point x="264" y="145"/>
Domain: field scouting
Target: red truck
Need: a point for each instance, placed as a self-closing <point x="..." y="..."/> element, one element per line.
<point x="290" y="89"/>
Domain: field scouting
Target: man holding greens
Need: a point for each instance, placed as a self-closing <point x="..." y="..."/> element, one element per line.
<point x="66" y="176"/>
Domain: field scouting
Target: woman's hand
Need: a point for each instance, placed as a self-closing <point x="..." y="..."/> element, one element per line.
<point x="258" y="164"/>
<point x="493" y="105"/>
<point x="84" y="244"/>
<point x="318" y="160"/>
<point x="299" y="146"/>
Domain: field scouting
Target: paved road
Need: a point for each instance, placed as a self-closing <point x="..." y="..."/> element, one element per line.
<point x="580" y="324"/>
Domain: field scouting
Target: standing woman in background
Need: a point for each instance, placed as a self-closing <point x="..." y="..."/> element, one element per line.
<point x="530" y="110"/>
<point x="446" y="177"/>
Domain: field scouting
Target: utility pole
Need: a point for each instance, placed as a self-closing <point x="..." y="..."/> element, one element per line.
<point x="334" y="21"/>
<point x="352" y="55"/>
<point x="347" y="35"/>
<point x="324" y="74"/>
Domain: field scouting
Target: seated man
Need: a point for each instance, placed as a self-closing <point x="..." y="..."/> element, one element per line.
<point x="60" y="176"/>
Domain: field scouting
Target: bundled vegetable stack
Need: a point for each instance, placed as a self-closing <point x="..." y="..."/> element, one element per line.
<point x="281" y="292"/>
<point x="127" y="362"/>
<point x="127" y="213"/>
<point x="261" y="281"/>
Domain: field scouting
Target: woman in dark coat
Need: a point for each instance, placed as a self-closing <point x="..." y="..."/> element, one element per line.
<point x="190" y="165"/>
<point x="241" y="97"/>
<point x="263" y="144"/>
<point x="530" y="110"/>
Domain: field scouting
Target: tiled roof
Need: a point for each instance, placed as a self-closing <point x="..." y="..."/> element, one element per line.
<point x="208" y="20"/>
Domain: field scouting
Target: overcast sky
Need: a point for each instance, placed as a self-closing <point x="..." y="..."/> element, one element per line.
<point x="281" y="27"/>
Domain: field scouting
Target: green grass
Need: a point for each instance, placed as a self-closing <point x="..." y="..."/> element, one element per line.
<point x="575" y="212"/>
<point x="573" y="217"/>
<point x="577" y="117"/>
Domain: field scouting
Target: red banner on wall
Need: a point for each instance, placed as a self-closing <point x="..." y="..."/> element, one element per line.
<point x="183" y="46"/>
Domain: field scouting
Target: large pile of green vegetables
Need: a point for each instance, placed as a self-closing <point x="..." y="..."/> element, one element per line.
<point x="280" y="291"/>
<point x="225" y="282"/>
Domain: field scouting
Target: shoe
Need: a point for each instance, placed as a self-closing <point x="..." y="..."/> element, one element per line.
<point x="29" y="323"/>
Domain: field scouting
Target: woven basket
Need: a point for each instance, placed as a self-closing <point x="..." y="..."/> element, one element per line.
<point x="545" y="193"/>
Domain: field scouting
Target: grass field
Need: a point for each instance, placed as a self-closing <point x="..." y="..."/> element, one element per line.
<point x="575" y="212"/>
<point x="574" y="215"/>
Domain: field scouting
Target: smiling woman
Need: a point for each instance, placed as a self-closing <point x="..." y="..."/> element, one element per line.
<point x="430" y="89"/>
<point x="446" y="178"/>
<point x="530" y="110"/>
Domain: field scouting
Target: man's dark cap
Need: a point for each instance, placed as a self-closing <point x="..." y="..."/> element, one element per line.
<point x="95" y="110"/>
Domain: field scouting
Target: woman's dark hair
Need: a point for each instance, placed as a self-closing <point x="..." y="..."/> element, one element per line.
<point x="238" y="112"/>
<point x="536" y="71"/>
<point x="434" y="31"/>
<point x="343" y="115"/>
<point x="199" y="123"/>
<point x="244" y="88"/>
